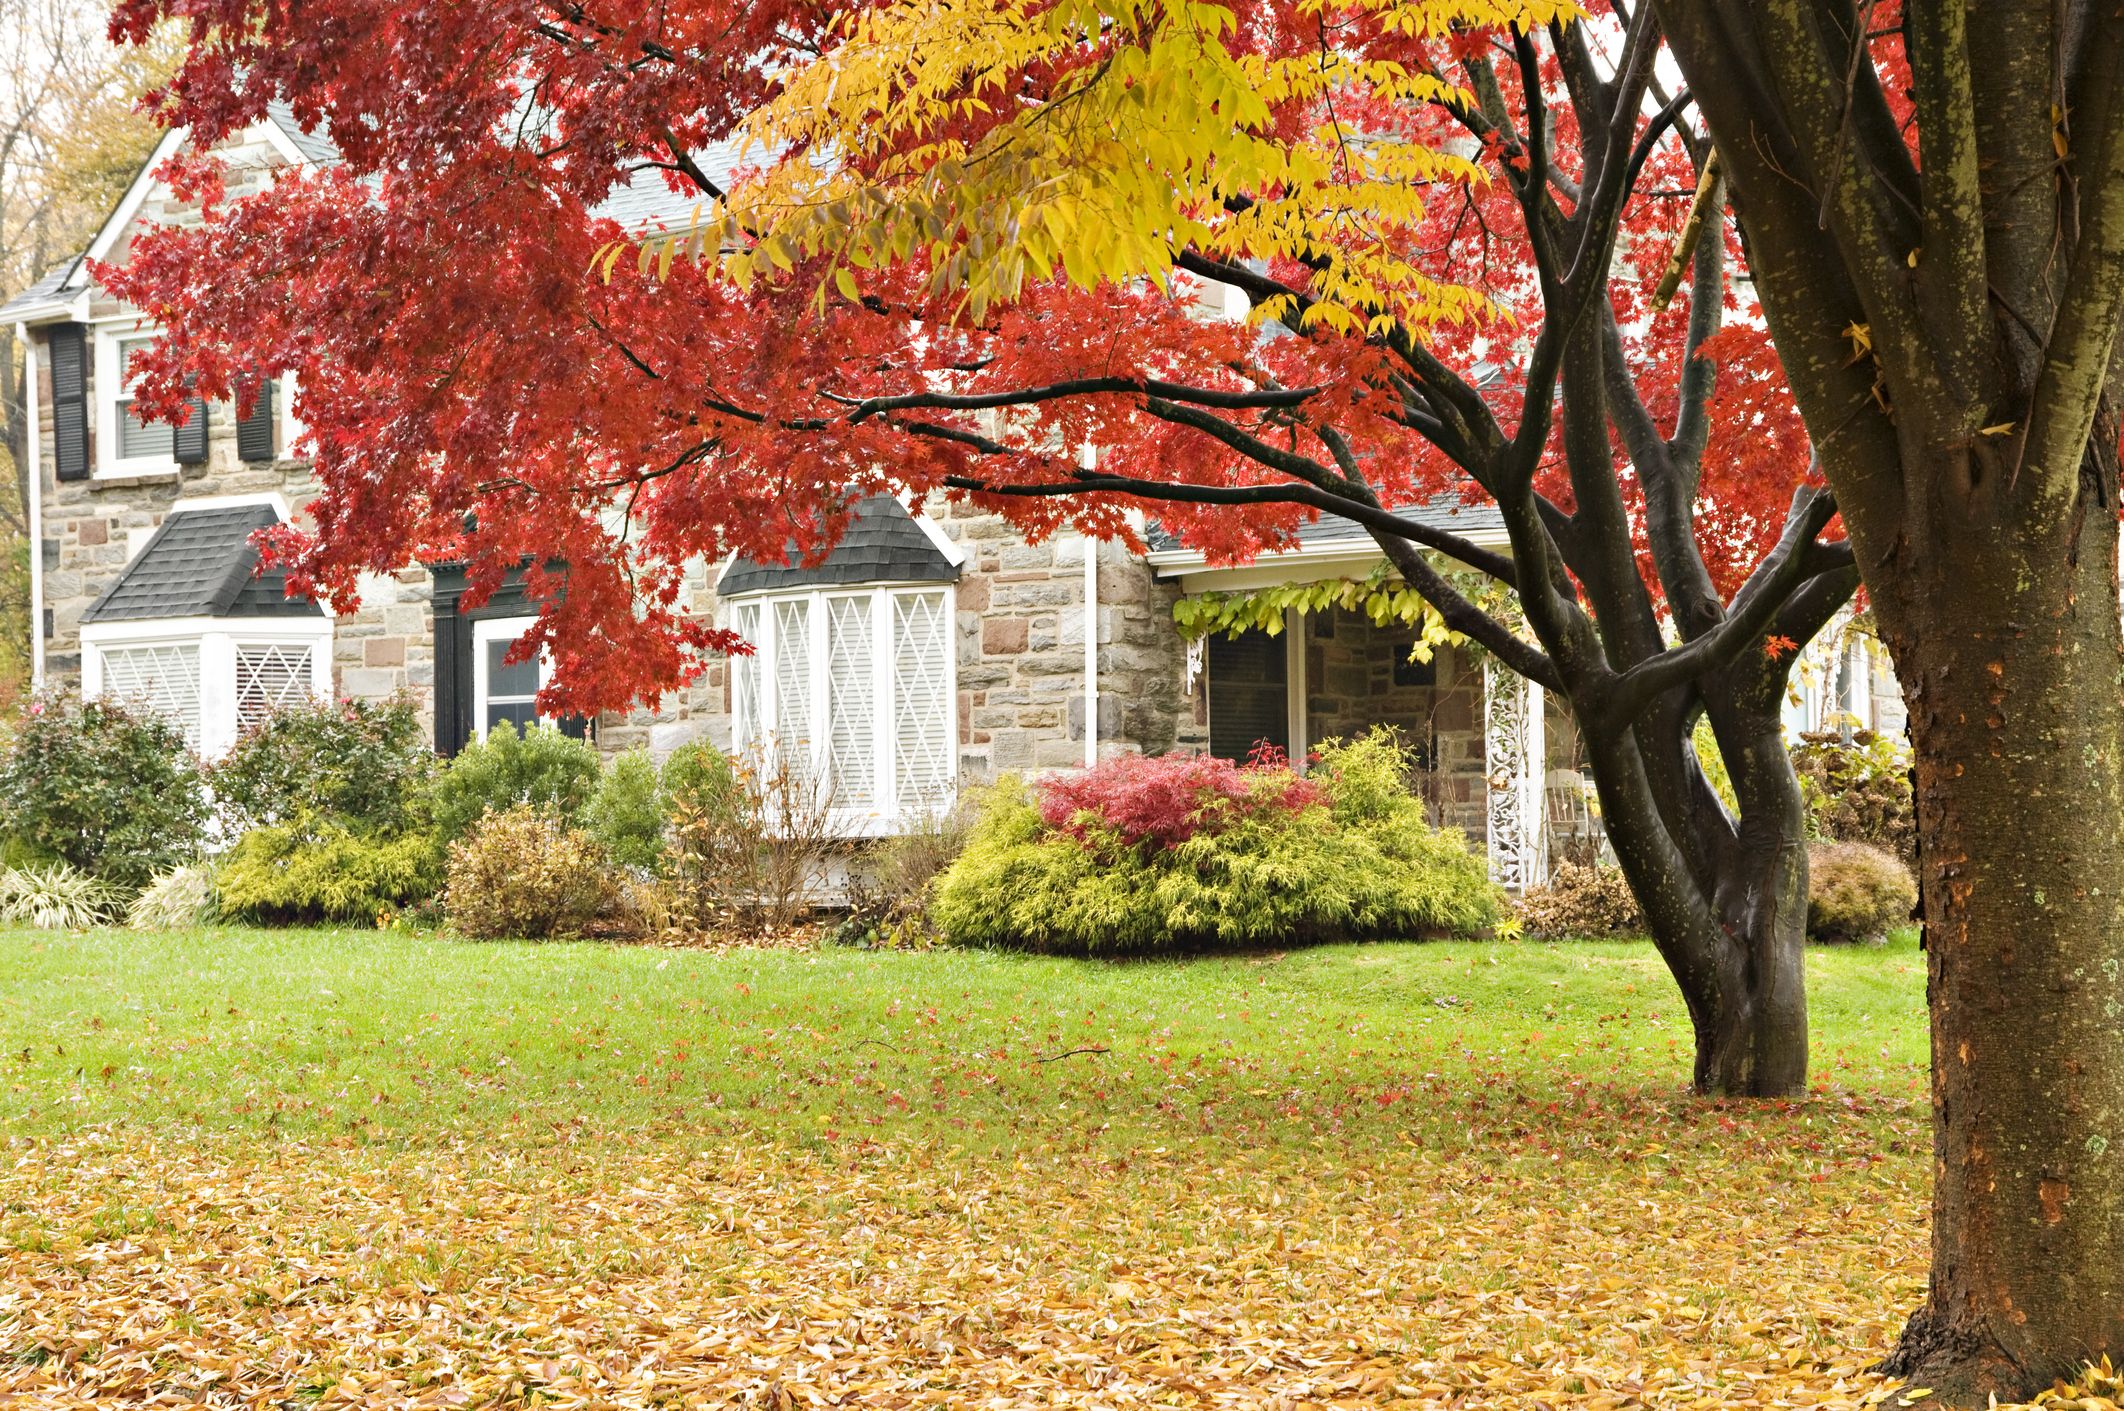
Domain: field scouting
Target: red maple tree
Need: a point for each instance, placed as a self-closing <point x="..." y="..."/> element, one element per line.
<point x="475" y="388"/>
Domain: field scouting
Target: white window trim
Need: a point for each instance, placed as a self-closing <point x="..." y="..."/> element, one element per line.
<point x="110" y="387"/>
<point x="488" y="630"/>
<point x="217" y="639"/>
<point x="886" y="815"/>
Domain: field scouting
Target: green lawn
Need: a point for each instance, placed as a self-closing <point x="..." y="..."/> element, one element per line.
<point x="306" y="1169"/>
<point x="330" y="1032"/>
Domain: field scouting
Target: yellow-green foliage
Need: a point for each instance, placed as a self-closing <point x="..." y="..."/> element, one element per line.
<point x="1364" y="865"/>
<point x="288" y="874"/>
<point x="525" y="873"/>
<point x="1856" y="892"/>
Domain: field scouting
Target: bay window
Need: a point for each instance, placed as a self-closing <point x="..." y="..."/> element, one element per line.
<point x="854" y="687"/>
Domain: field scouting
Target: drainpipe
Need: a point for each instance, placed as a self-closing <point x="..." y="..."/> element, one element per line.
<point x="1089" y="458"/>
<point x="33" y="451"/>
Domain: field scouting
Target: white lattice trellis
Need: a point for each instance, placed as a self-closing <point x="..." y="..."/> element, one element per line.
<point x="745" y="675"/>
<point x="921" y="703"/>
<point x="1514" y="757"/>
<point x="792" y="682"/>
<point x="851" y="721"/>
<point x="165" y="679"/>
<point x="270" y="677"/>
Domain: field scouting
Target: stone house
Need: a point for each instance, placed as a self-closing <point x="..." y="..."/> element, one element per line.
<point x="927" y="652"/>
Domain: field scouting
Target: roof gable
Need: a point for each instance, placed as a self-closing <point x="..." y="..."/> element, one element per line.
<point x="883" y="544"/>
<point x="201" y="563"/>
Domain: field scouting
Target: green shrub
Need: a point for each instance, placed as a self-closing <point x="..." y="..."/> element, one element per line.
<point x="105" y="788"/>
<point x="1363" y="864"/>
<point x="176" y="901"/>
<point x="1583" y="903"/>
<point x="1858" y="792"/>
<point x="291" y="874"/>
<point x="626" y="814"/>
<point x="541" y="767"/>
<point x="524" y="873"/>
<point x="1856" y="892"/>
<point x="363" y="764"/>
<point x="57" y="897"/>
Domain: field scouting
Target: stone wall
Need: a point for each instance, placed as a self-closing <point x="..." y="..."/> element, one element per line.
<point x="93" y="527"/>
<point x="1019" y="634"/>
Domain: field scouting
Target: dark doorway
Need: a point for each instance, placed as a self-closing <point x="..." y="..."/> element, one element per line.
<point x="1249" y="694"/>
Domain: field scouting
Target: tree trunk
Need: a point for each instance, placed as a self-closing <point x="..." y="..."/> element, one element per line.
<point x="1731" y="919"/>
<point x="2010" y="656"/>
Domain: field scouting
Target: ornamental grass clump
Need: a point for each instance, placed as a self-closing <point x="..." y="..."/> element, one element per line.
<point x="1183" y="854"/>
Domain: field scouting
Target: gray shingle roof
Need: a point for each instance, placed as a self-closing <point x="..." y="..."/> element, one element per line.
<point x="314" y="145"/>
<point x="44" y="291"/>
<point x="1447" y="512"/>
<point x="201" y="563"/>
<point x="883" y="544"/>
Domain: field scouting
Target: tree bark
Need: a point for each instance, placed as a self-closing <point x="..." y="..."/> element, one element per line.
<point x="2009" y="648"/>
<point x="1724" y="901"/>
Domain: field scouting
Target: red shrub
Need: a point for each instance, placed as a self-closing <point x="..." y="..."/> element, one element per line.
<point x="1167" y="799"/>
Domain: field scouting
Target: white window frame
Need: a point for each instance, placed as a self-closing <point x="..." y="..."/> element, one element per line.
<point x="486" y="631"/>
<point x="217" y="640"/>
<point x="886" y="814"/>
<point x="110" y="391"/>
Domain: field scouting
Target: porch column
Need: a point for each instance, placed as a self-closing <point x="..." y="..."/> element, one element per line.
<point x="1515" y="756"/>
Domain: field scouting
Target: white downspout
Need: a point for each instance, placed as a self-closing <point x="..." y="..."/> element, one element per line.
<point x="33" y="450"/>
<point x="1089" y="458"/>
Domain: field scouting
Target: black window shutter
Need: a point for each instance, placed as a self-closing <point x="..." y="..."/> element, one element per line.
<point x="69" y="349"/>
<point x="191" y="439"/>
<point x="254" y="433"/>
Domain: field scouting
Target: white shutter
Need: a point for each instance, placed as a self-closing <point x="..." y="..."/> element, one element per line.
<point x="745" y="678"/>
<point x="792" y="681"/>
<point x="164" y="679"/>
<point x="851" y="698"/>
<point x="922" y="714"/>
<point x="270" y="676"/>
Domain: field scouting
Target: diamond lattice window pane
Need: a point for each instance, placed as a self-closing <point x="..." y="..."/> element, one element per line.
<point x="164" y="679"/>
<point x="269" y="677"/>
<point x="792" y="681"/>
<point x="921" y="644"/>
<point x="745" y="676"/>
<point x="851" y="699"/>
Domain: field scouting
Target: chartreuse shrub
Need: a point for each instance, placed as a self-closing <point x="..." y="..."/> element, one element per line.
<point x="107" y="789"/>
<point x="364" y="764"/>
<point x="311" y="871"/>
<point x="526" y="874"/>
<point x="541" y="767"/>
<point x="1183" y="854"/>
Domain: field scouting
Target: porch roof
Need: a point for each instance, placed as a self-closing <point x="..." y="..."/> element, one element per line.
<point x="1328" y="541"/>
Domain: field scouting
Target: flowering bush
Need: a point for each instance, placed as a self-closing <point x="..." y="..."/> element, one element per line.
<point x="1212" y="859"/>
<point x="1163" y="800"/>
<point x="105" y="788"/>
<point x="362" y="764"/>
<point x="1858" y="791"/>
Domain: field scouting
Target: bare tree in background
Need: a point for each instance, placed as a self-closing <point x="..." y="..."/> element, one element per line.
<point x="71" y="139"/>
